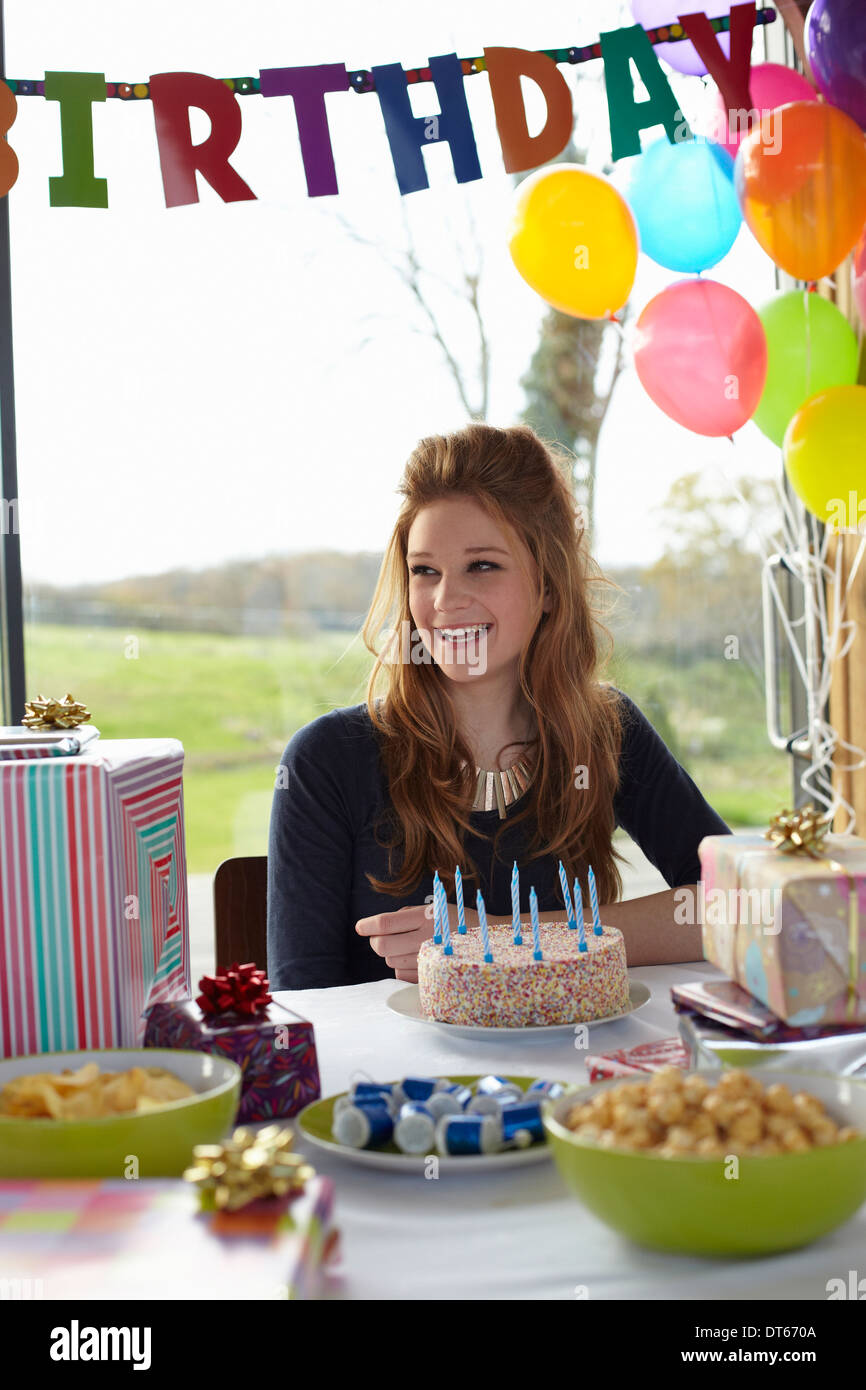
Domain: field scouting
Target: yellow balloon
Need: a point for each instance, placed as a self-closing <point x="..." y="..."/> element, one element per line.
<point x="825" y="454"/>
<point x="574" y="239"/>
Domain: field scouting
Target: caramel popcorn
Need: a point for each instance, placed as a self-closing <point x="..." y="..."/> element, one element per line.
<point x="679" y="1114"/>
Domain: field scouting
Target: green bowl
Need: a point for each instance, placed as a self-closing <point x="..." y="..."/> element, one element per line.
<point x="153" y="1144"/>
<point x="692" y="1206"/>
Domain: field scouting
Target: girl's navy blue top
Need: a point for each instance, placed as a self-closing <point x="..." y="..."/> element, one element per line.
<point x="330" y="791"/>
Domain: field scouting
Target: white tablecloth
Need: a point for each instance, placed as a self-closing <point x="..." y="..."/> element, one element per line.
<point x="519" y="1234"/>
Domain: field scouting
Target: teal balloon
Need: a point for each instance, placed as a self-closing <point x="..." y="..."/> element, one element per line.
<point x="810" y="347"/>
<point x="685" y="203"/>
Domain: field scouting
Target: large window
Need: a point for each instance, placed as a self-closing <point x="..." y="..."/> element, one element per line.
<point x="215" y="403"/>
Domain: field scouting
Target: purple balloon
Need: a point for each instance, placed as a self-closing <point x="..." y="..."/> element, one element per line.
<point x="836" y="45"/>
<point x="683" y="56"/>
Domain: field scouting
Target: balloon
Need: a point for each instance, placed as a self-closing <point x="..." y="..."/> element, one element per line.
<point x="801" y="180"/>
<point x="685" y="203"/>
<point x="835" y="38"/>
<point x="823" y="452"/>
<point x="8" y="157"/>
<point x="701" y="354"/>
<point x="770" y="85"/>
<point x="810" y="346"/>
<point x="574" y="240"/>
<point x="860" y="277"/>
<point x="652" y="14"/>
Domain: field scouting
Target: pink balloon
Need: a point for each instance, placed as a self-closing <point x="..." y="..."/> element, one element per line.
<point x="771" y="85"/>
<point x="860" y="277"/>
<point x="701" y="354"/>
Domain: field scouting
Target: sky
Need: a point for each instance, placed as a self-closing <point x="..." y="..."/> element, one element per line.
<point x="223" y="381"/>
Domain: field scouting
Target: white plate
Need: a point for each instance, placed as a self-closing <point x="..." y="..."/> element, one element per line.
<point x="315" y="1118"/>
<point x="407" y="1003"/>
<point x="415" y="1163"/>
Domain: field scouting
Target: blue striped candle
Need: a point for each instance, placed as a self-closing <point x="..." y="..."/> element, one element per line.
<point x="566" y="896"/>
<point x="482" y="922"/>
<point x="515" y="905"/>
<point x="593" y="902"/>
<point x="578" y="912"/>
<point x="536" y="929"/>
<point x="437" y="925"/>
<point x="444" y="923"/>
<point x="458" y="892"/>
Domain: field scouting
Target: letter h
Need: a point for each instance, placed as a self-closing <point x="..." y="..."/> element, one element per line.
<point x="408" y="134"/>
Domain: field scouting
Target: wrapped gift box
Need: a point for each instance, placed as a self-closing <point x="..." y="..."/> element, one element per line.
<point x="710" y="1045"/>
<point x="93" y="899"/>
<point x="147" y="1239"/>
<point x="276" y="1052"/>
<point x="648" y="1057"/>
<point x="780" y="924"/>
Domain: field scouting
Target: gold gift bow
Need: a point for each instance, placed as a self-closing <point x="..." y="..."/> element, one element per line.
<point x="246" y="1167"/>
<point x="47" y="713"/>
<point x="803" y="832"/>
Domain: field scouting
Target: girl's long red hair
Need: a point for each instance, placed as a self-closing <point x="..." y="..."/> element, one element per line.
<point x="516" y="478"/>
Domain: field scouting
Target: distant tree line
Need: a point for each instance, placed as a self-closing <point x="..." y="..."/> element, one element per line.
<point x="703" y="590"/>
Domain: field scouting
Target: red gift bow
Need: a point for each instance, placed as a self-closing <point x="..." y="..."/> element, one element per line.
<point x="242" y="989"/>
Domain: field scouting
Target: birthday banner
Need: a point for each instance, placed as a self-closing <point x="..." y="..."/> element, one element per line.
<point x="172" y="94"/>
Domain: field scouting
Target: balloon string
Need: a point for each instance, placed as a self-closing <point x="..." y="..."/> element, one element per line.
<point x="806" y="561"/>
<point x="616" y="322"/>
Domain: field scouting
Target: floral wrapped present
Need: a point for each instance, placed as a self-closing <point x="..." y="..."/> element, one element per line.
<point x="93" y="893"/>
<point x="784" y="914"/>
<point x="627" y="1061"/>
<point x="235" y="1015"/>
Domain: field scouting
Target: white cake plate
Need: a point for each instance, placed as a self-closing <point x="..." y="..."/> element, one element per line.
<point x="407" y="1003"/>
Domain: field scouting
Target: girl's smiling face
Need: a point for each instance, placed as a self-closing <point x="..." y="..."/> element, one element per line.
<point x="464" y="573"/>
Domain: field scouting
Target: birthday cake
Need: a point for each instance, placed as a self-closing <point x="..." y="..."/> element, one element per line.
<point x="515" y="990"/>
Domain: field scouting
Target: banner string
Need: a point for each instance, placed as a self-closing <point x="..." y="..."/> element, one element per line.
<point x="362" y="81"/>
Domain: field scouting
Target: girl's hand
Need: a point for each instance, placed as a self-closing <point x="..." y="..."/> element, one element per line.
<point x="398" y="937"/>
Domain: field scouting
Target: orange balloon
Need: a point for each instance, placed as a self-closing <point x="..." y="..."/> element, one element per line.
<point x="801" y="181"/>
<point x="8" y="157"/>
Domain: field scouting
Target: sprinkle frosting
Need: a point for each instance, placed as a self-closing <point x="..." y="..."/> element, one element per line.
<point x="515" y="991"/>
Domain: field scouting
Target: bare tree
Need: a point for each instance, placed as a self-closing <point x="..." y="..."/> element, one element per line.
<point x="570" y="381"/>
<point x="470" y="373"/>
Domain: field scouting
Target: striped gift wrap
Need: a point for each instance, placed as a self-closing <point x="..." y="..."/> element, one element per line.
<point x="94" y="924"/>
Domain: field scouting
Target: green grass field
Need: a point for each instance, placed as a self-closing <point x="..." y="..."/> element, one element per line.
<point x="235" y="701"/>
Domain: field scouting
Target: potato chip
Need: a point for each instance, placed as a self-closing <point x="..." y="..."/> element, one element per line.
<point x="87" y="1093"/>
<point x="72" y="1080"/>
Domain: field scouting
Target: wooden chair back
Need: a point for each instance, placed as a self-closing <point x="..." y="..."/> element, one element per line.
<point x="240" y="893"/>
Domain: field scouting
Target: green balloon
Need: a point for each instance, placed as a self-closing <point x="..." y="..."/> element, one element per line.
<point x="810" y="346"/>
